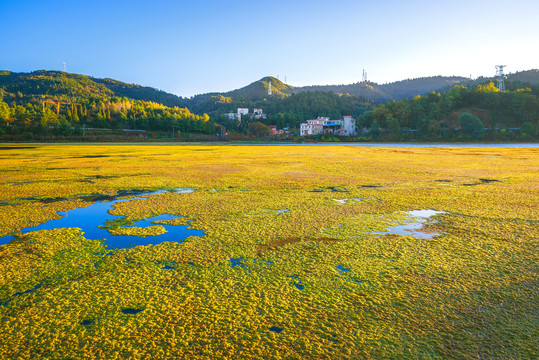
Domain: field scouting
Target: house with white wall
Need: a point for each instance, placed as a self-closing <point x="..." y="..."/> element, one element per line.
<point x="322" y="125"/>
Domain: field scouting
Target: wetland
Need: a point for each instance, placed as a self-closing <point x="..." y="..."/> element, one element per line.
<point x="119" y="251"/>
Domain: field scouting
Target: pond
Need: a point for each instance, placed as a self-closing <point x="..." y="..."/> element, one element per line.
<point x="414" y="225"/>
<point x="91" y="221"/>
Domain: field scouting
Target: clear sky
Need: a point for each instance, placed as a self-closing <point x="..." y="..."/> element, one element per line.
<point x="191" y="47"/>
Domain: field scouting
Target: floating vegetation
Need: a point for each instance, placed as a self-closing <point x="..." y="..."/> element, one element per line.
<point x="365" y="284"/>
<point x="320" y="281"/>
<point x="275" y="244"/>
<point x="267" y="212"/>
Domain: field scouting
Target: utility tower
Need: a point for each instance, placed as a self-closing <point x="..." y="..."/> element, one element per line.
<point x="364" y="78"/>
<point x="64" y="66"/>
<point x="500" y="76"/>
<point x="269" y="88"/>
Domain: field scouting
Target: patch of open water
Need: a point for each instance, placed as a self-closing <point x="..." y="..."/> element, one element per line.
<point x="7" y="300"/>
<point x="276" y="329"/>
<point x="91" y="219"/>
<point x="417" y="219"/>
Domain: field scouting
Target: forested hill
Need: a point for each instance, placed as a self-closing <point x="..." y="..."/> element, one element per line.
<point x="256" y="92"/>
<point x="146" y="93"/>
<point x="411" y="87"/>
<point x="45" y="103"/>
<point x="74" y="88"/>
<point x="392" y="91"/>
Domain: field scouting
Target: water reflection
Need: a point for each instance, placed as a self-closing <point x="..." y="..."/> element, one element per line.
<point x="92" y="218"/>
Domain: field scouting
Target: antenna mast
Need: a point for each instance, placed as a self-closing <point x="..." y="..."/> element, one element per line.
<point x="64" y="66"/>
<point x="364" y="78"/>
<point x="269" y="88"/>
<point x="501" y="76"/>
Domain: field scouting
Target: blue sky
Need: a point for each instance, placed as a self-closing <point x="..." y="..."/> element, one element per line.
<point x="192" y="47"/>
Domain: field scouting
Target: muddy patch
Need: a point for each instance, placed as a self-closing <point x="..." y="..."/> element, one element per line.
<point x="46" y="200"/>
<point x="489" y="180"/>
<point x="275" y="244"/>
<point x="370" y="186"/>
<point x="92" y="156"/>
<point x="330" y="189"/>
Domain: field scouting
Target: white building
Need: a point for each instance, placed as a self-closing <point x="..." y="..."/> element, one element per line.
<point x="322" y="125"/>
<point x="233" y="116"/>
<point x="258" y="114"/>
<point x="349" y="126"/>
<point x="243" y="111"/>
<point x="313" y="127"/>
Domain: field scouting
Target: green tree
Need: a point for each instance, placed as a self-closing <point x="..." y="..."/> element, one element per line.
<point x="394" y="127"/>
<point x="374" y="132"/>
<point x="528" y="130"/>
<point x="4" y="112"/>
<point x="471" y="125"/>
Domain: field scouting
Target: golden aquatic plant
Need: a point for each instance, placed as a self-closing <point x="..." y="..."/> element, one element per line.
<point x="323" y="271"/>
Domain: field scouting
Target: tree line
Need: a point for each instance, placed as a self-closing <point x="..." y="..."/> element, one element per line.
<point x="438" y="116"/>
<point x="68" y="118"/>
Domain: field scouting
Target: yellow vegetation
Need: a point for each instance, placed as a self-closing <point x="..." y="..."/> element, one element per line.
<point x="466" y="294"/>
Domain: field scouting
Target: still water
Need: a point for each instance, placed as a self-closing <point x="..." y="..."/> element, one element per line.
<point x="91" y="218"/>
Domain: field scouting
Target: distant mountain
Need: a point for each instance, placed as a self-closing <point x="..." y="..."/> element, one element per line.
<point x="246" y="96"/>
<point x="411" y="87"/>
<point x="66" y="87"/>
<point x="396" y="90"/>
<point x="528" y="76"/>
<point x="259" y="90"/>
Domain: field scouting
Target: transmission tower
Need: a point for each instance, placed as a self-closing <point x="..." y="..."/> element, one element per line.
<point x="500" y="76"/>
<point x="64" y="66"/>
<point x="269" y="88"/>
<point x="364" y="78"/>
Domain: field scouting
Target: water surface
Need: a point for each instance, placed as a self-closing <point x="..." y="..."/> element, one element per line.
<point x="91" y="221"/>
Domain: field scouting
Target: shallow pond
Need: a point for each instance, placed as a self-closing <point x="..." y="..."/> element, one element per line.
<point x="413" y="227"/>
<point x="91" y="221"/>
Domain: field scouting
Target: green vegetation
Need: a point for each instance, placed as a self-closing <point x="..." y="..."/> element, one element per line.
<point x="471" y="126"/>
<point x="47" y="102"/>
<point x="292" y="110"/>
<point x="462" y="113"/>
<point x="47" y="105"/>
<point x="386" y="92"/>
